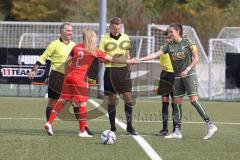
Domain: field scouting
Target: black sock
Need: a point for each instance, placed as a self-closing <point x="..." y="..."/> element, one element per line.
<point x="112" y="115"/>
<point x="165" y="115"/>
<point x="75" y="109"/>
<point x="128" y="113"/>
<point x="48" y="112"/>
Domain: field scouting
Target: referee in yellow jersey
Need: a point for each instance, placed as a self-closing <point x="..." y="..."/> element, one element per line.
<point x="165" y="86"/>
<point x="117" y="78"/>
<point x="58" y="50"/>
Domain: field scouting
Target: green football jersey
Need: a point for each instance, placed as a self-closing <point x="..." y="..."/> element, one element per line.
<point x="180" y="54"/>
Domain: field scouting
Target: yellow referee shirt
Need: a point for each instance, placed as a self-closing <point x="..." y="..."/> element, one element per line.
<point x="166" y="63"/>
<point x="113" y="47"/>
<point x="58" y="52"/>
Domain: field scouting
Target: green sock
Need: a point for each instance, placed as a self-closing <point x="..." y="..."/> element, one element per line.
<point x="200" y="110"/>
<point x="177" y="115"/>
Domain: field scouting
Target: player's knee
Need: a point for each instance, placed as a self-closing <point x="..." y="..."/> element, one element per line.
<point x="51" y="101"/>
<point x="165" y="99"/>
<point x="112" y="100"/>
<point x="193" y="98"/>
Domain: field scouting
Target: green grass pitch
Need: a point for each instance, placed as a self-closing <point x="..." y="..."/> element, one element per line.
<point x="22" y="136"/>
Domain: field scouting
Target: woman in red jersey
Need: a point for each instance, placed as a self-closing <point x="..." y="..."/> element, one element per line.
<point x="75" y="86"/>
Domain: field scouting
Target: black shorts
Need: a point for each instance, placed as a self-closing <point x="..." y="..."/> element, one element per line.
<point x="55" y="84"/>
<point x="166" y="81"/>
<point x="117" y="80"/>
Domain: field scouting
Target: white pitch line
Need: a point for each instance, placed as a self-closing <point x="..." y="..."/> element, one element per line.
<point x="187" y="122"/>
<point x="141" y="141"/>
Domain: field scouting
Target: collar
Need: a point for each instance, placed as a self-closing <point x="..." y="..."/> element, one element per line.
<point x="63" y="42"/>
<point x="115" y="37"/>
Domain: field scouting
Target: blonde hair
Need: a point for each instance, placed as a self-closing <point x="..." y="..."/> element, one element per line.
<point x="88" y="41"/>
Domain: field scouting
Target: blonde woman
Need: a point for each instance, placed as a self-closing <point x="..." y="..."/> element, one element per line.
<point x="75" y="86"/>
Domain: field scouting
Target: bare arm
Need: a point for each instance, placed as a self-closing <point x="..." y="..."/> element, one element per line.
<point x="68" y="63"/>
<point x="120" y="59"/>
<point x="195" y="59"/>
<point x="128" y="54"/>
<point x="151" y="56"/>
<point x="33" y="72"/>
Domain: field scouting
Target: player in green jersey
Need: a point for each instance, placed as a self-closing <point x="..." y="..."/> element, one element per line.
<point x="184" y="57"/>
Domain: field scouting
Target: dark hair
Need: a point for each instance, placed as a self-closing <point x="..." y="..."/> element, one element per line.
<point x="116" y="20"/>
<point x="166" y="32"/>
<point x="177" y="27"/>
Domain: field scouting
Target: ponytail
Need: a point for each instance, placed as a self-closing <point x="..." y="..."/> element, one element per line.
<point x="178" y="27"/>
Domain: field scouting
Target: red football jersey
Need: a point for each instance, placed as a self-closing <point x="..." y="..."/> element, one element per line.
<point x="75" y="85"/>
<point x="82" y="60"/>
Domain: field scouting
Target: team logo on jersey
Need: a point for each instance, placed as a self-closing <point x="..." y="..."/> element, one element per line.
<point x="178" y="56"/>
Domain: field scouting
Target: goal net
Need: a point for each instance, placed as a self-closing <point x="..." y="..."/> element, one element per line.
<point x="39" y="34"/>
<point x="33" y="35"/>
<point x="218" y="50"/>
<point x="229" y="32"/>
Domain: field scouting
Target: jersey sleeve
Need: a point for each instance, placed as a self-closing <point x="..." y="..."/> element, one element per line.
<point x="71" y="53"/>
<point x="164" y="48"/>
<point x="127" y="45"/>
<point x="101" y="55"/>
<point x="47" y="53"/>
<point x="101" y="44"/>
<point x="192" y="46"/>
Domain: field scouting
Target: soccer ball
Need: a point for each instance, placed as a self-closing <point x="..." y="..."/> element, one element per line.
<point x="108" y="137"/>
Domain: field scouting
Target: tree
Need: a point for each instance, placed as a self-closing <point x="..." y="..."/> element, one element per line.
<point x="37" y="10"/>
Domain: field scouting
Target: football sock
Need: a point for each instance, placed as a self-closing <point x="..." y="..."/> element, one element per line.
<point x="82" y="118"/>
<point x="112" y="115"/>
<point x="200" y="110"/>
<point x="56" y="109"/>
<point x="48" y="112"/>
<point x="165" y="115"/>
<point x="128" y="113"/>
<point x="177" y="115"/>
<point x="174" y="125"/>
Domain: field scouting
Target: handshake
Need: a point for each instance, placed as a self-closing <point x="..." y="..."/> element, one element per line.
<point x="123" y="59"/>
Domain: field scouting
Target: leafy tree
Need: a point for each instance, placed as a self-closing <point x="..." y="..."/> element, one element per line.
<point x="37" y="10"/>
<point x="84" y="11"/>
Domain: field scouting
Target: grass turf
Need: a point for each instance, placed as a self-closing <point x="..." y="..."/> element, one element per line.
<point x="23" y="138"/>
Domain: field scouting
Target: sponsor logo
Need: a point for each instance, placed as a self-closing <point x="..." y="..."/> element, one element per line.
<point x="27" y="59"/>
<point x="15" y="71"/>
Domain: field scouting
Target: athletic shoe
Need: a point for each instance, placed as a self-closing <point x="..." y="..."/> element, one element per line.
<point x="132" y="131"/>
<point x="162" y="133"/>
<point x="89" y="131"/>
<point x="211" y="130"/>
<point x="113" y="129"/>
<point x="174" y="135"/>
<point x="48" y="128"/>
<point x="84" y="134"/>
